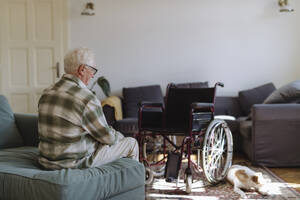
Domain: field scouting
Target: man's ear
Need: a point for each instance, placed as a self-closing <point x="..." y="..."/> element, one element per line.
<point x="80" y="69"/>
<point x="255" y="179"/>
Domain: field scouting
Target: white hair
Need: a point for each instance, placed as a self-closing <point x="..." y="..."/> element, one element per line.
<point x="77" y="57"/>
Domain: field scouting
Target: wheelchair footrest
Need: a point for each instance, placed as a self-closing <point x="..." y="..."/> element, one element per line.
<point x="172" y="166"/>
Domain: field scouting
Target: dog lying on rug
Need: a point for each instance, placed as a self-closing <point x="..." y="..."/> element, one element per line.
<point x="242" y="177"/>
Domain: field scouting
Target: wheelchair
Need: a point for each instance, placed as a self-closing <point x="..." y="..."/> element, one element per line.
<point x="188" y="112"/>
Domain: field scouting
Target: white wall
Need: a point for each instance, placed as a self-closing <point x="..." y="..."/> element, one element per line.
<point x="241" y="43"/>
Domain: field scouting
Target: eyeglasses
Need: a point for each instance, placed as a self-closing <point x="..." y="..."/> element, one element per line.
<point x="93" y="69"/>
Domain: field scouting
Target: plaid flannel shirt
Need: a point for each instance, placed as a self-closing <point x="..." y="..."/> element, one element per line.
<point x="71" y="125"/>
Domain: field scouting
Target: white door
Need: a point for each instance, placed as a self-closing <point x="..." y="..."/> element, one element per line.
<point x="32" y="44"/>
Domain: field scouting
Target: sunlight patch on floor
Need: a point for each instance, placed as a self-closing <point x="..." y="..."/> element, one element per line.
<point x="294" y="185"/>
<point x="275" y="188"/>
<point x="169" y="196"/>
<point x="161" y="184"/>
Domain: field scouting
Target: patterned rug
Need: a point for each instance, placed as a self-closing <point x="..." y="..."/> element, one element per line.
<point x="201" y="189"/>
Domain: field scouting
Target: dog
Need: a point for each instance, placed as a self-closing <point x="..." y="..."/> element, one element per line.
<point x="242" y="177"/>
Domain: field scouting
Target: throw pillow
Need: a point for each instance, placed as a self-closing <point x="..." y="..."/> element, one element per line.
<point x="289" y="93"/>
<point x="115" y="102"/>
<point x="9" y="133"/>
<point x="248" y="98"/>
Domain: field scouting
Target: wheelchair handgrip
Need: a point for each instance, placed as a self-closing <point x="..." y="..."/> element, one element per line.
<point x="219" y="84"/>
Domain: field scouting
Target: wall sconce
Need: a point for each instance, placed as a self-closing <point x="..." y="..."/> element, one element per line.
<point x="284" y="6"/>
<point x="89" y="9"/>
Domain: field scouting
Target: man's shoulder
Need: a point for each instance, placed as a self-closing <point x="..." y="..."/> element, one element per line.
<point x="73" y="89"/>
<point x="83" y="94"/>
<point x="65" y="90"/>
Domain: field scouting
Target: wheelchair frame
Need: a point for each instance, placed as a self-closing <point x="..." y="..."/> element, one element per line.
<point x="200" y="135"/>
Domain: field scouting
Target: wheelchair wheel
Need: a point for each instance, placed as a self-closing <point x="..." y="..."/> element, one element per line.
<point x="217" y="151"/>
<point x="150" y="149"/>
<point x="149" y="176"/>
<point x="160" y="171"/>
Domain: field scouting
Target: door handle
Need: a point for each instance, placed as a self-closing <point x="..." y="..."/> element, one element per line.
<point x="57" y="70"/>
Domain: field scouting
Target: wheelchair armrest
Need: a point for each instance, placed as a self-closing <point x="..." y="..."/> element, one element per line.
<point x="150" y="107"/>
<point x="148" y="104"/>
<point x="198" y="106"/>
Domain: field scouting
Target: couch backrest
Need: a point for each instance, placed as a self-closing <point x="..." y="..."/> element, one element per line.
<point x="134" y="95"/>
<point x="228" y="106"/>
<point x="9" y="133"/>
<point x="257" y="95"/>
<point x="28" y="127"/>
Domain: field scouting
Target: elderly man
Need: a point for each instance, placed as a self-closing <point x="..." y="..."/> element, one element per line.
<point x="72" y="127"/>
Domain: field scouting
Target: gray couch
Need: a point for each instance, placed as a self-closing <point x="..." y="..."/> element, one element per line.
<point x="22" y="178"/>
<point x="269" y="134"/>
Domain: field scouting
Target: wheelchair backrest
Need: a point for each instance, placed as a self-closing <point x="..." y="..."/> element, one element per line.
<point x="178" y="104"/>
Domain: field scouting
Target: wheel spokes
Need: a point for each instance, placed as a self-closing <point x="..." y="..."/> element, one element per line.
<point x="216" y="155"/>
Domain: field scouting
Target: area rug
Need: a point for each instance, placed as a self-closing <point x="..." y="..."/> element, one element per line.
<point x="201" y="189"/>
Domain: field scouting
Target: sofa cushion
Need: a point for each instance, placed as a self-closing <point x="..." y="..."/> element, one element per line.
<point x="233" y="125"/>
<point x="19" y="171"/>
<point x="246" y="129"/>
<point x="248" y="98"/>
<point x="289" y="93"/>
<point x="134" y="95"/>
<point x="28" y="127"/>
<point x="9" y="133"/>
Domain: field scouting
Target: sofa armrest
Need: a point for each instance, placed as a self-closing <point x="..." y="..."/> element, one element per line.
<point x="150" y="114"/>
<point x="276" y="112"/>
<point x="28" y="127"/>
<point x="275" y="134"/>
